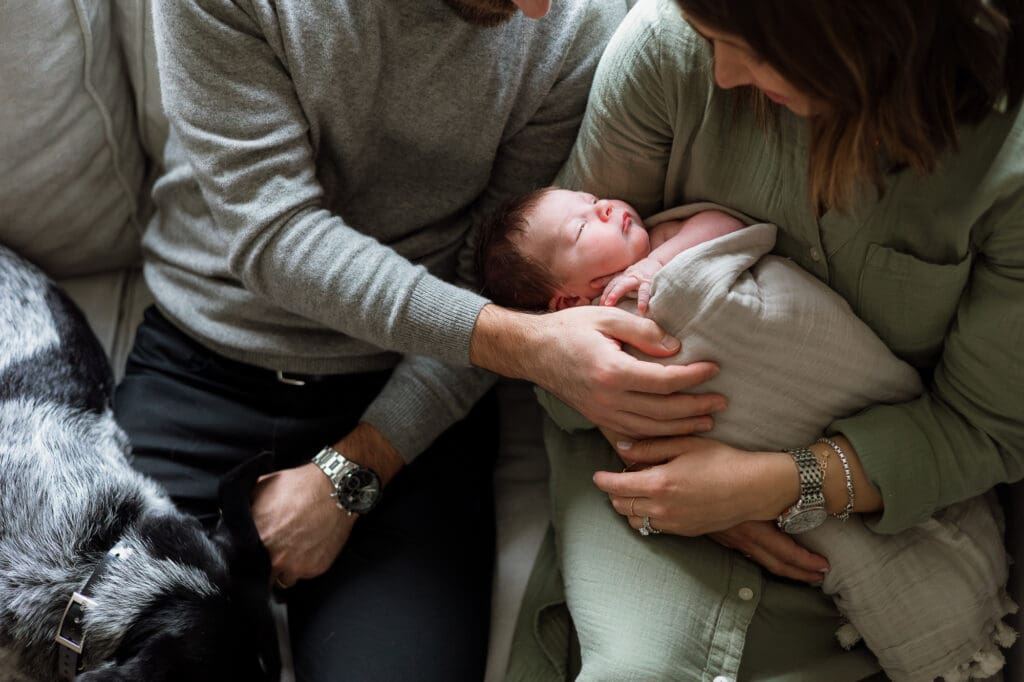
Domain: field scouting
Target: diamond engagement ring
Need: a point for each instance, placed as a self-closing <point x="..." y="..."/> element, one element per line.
<point x="647" y="529"/>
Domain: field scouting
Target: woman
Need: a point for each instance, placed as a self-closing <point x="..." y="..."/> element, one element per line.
<point x="886" y="140"/>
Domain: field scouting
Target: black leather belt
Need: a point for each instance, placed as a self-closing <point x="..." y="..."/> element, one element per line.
<point x="70" y="636"/>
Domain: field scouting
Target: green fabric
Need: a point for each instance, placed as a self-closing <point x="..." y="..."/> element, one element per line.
<point x="935" y="267"/>
<point x="631" y="628"/>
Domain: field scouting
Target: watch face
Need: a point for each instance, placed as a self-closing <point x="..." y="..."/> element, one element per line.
<point x="805" y="520"/>
<point x="358" y="491"/>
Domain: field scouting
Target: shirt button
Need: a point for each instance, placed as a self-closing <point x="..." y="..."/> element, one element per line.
<point x="815" y="255"/>
<point x="746" y="594"/>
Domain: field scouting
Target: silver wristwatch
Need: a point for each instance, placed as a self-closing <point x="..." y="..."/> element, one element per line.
<point x="356" y="488"/>
<point x="809" y="511"/>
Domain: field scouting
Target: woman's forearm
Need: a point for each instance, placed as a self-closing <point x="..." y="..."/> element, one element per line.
<point x="867" y="498"/>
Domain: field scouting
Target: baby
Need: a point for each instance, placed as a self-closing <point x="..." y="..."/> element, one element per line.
<point x="555" y="248"/>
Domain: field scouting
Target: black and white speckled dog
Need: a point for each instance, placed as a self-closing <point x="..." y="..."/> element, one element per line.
<point x="155" y="597"/>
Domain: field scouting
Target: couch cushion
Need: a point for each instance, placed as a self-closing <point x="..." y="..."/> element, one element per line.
<point x="71" y="165"/>
<point x="133" y="24"/>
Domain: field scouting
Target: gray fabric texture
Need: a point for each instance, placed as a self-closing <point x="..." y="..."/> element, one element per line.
<point x="71" y="166"/>
<point x="325" y="164"/>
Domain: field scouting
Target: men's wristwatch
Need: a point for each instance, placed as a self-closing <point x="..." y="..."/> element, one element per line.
<point x="356" y="488"/>
<point x="809" y="511"/>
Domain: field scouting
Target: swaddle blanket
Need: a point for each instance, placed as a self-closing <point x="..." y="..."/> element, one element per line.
<point x="794" y="358"/>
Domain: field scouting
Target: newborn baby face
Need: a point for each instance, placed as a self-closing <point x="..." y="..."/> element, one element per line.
<point x="584" y="240"/>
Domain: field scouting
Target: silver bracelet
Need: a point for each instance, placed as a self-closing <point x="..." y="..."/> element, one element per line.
<point x="845" y="514"/>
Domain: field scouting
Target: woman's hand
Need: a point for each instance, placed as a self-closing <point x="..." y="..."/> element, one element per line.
<point x="763" y="543"/>
<point x="695" y="486"/>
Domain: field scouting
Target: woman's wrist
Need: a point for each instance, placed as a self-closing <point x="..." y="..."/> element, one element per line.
<point x="842" y="483"/>
<point x="783" y="478"/>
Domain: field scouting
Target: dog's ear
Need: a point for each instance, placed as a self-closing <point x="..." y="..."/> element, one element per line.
<point x="160" y="660"/>
<point x="143" y="665"/>
<point x="248" y="560"/>
<point x="235" y="531"/>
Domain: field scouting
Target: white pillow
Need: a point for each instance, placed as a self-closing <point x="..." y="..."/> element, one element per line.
<point x="72" y="170"/>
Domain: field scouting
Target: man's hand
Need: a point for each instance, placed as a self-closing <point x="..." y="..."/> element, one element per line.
<point x="297" y="519"/>
<point x="299" y="522"/>
<point x="577" y="355"/>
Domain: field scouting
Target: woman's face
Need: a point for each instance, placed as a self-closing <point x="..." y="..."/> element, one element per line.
<point x="736" y="65"/>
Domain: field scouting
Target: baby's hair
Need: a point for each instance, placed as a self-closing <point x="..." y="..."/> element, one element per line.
<point x="510" y="277"/>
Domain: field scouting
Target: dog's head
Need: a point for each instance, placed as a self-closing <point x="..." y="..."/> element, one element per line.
<point x="210" y="619"/>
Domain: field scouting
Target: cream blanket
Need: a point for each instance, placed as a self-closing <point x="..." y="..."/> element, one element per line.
<point x="794" y="357"/>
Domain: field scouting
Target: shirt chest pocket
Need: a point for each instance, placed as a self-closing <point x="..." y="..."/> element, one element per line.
<point x="910" y="303"/>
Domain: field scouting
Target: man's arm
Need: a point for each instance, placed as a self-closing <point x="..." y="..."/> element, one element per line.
<point x="405" y="418"/>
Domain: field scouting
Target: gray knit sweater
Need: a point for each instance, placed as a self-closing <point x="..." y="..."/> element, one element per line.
<point x="327" y="161"/>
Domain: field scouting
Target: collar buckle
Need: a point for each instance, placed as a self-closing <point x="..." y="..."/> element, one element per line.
<point x="69" y="634"/>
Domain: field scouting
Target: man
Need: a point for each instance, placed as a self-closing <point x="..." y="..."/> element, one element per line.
<point x="325" y="165"/>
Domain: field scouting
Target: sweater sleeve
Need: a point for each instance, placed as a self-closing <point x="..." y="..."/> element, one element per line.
<point x="966" y="433"/>
<point x="231" y="101"/>
<point x="407" y="411"/>
<point x="256" y="169"/>
<point x="422" y="399"/>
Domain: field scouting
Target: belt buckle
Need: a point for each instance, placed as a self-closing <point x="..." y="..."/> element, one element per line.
<point x="281" y="377"/>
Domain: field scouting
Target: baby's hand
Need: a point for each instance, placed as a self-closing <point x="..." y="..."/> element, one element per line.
<point x="637" y="277"/>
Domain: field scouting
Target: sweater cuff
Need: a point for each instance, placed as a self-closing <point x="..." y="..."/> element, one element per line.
<point x="410" y="425"/>
<point x="898" y="458"/>
<point x="445" y="336"/>
<point x="422" y="400"/>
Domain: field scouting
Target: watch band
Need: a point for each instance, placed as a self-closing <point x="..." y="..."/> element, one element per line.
<point x="356" y="488"/>
<point x="333" y="464"/>
<point x="809" y="511"/>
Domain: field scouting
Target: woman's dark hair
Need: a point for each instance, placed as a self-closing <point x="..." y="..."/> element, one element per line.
<point x="510" y="277"/>
<point x="896" y="76"/>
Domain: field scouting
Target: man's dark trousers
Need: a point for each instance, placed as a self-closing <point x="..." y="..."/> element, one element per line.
<point x="409" y="596"/>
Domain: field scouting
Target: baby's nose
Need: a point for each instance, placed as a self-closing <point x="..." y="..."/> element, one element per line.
<point x="604" y="210"/>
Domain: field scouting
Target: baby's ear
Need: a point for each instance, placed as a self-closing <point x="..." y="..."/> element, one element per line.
<point x="559" y="302"/>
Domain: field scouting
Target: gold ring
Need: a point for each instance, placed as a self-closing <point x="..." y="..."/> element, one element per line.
<point x="631" y="503"/>
<point x="280" y="583"/>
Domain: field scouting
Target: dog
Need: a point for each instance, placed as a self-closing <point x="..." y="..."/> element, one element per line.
<point x="101" y="578"/>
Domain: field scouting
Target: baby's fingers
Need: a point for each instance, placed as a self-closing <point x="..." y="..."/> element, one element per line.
<point x="643" y="297"/>
<point x="617" y="288"/>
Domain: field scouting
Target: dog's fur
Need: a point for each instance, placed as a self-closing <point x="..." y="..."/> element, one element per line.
<point x="185" y="604"/>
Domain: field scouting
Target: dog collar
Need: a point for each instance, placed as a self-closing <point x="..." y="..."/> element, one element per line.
<point x="70" y="636"/>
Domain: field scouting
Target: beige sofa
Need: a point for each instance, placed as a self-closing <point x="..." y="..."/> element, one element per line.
<point x="81" y="131"/>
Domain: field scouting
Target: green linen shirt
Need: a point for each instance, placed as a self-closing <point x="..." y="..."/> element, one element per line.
<point x="935" y="266"/>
